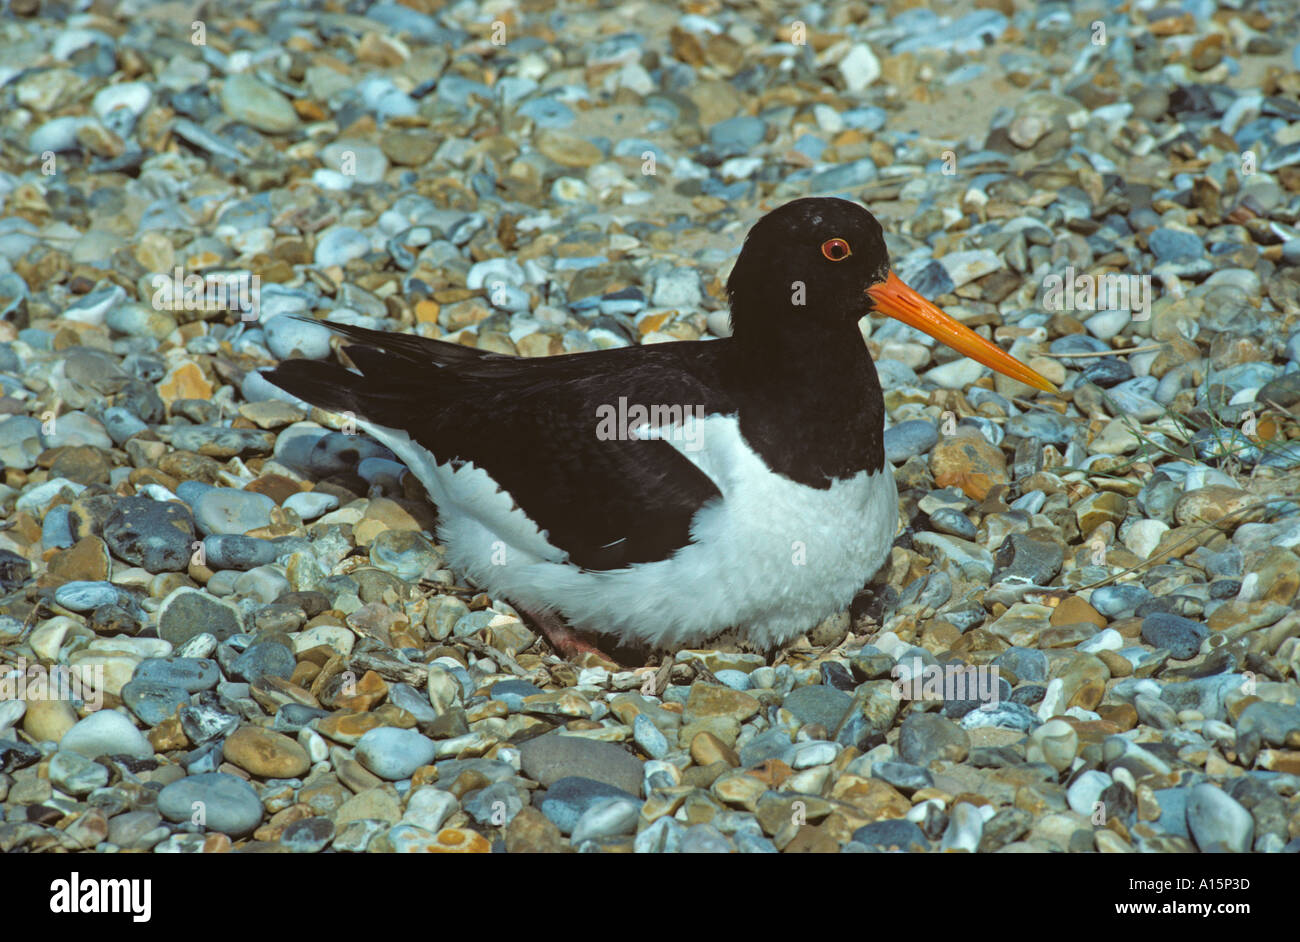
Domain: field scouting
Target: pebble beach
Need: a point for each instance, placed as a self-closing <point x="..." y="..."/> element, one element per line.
<point x="1086" y="638"/>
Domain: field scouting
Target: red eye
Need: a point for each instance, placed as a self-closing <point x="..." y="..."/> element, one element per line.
<point x="837" y="250"/>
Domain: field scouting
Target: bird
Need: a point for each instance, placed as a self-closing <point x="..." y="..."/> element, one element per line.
<point x="660" y="495"/>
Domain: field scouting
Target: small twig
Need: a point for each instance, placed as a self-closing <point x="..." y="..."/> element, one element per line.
<point x="1106" y="353"/>
<point x="495" y="655"/>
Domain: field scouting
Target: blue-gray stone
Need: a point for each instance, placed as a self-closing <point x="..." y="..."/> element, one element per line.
<point x="155" y="535"/>
<point x="1115" y="600"/>
<point x="121" y="424"/>
<point x="818" y="703"/>
<point x="895" y="833"/>
<point x="202" y="723"/>
<point x="292" y="717"/>
<point x="494" y="806"/>
<point x="845" y="176"/>
<point x="394" y="754"/>
<point x="1181" y="636"/>
<point x="86" y="596"/>
<point x="153" y="702"/>
<point x="771" y="744"/>
<point x="950" y="520"/>
<point x="512" y="693"/>
<point x="738" y="135"/>
<point x="1275" y="722"/>
<point x="568" y="798"/>
<point x="649" y="737"/>
<point x="237" y="551"/>
<point x="289" y="336"/>
<point x="191" y="674"/>
<point x="17" y="755"/>
<point x="56" y="529"/>
<point x="547" y="112"/>
<point x="1107" y="371"/>
<point x="308" y="836"/>
<point x="259" y="660"/>
<point x="930" y="279"/>
<point x="1174" y="245"/>
<point x="903" y="776"/>
<point x="412" y="701"/>
<point x="1007" y="714"/>
<point x="910" y="438"/>
<point x="704" y="839"/>
<point x="188" y="612"/>
<point x="15" y="570"/>
<point x="230" y="510"/>
<point x="969" y="33"/>
<point x="225" y="802"/>
<point x="326" y="453"/>
<point x="1028" y="664"/>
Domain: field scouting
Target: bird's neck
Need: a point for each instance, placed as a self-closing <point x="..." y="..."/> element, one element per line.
<point x="810" y="399"/>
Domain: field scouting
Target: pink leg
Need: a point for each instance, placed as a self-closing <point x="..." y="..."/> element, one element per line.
<point x="568" y="643"/>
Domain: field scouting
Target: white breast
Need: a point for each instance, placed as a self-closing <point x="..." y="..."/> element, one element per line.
<point x="772" y="557"/>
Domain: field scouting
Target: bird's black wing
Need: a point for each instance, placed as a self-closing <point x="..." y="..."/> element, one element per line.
<point x="532" y="424"/>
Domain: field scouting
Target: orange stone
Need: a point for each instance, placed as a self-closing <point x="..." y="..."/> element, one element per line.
<point x="87" y="559"/>
<point x="275" y="486"/>
<point x="967" y="460"/>
<point x="369" y="691"/>
<point x="348" y="728"/>
<point x="1074" y="610"/>
<point x="186" y="381"/>
<point x="460" y="841"/>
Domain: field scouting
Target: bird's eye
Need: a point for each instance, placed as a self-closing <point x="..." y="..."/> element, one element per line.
<point x="837" y="250"/>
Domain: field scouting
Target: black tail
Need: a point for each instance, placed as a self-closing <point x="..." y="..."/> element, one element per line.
<point x="326" y="385"/>
<point x="390" y="364"/>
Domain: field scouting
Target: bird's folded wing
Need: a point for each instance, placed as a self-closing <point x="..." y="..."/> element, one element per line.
<point x="553" y="432"/>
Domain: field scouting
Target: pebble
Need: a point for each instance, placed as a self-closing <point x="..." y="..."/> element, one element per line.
<point x="105" y="733"/>
<point x="1182" y="636"/>
<point x="569" y="798"/>
<point x="75" y="774"/>
<point x="1217" y="822"/>
<point x="153" y="702"/>
<point x="288" y="337"/>
<point x="216" y="800"/>
<point x="235" y="551"/>
<point x="187" y="613"/>
<point x="547" y="759"/>
<point x="928" y="736"/>
<point x="265" y="659"/>
<point x="227" y="510"/>
<point x="265" y="754"/>
<point x="394" y="754"/>
<point x="254" y="103"/>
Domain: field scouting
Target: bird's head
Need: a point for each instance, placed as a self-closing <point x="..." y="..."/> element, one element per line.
<point x="822" y="260"/>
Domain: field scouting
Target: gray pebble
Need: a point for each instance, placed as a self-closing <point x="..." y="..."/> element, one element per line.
<point x="227" y="803"/>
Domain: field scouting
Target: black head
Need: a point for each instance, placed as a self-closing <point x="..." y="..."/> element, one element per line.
<point x="808" y="261"/>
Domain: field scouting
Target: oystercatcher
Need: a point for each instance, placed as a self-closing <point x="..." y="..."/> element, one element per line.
<point x="662" y="494"/>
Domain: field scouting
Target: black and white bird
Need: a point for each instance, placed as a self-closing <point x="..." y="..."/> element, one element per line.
<point x="662" y="494"/>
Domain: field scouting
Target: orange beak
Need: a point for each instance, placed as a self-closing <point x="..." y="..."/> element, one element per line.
<point x="894" y="298"/>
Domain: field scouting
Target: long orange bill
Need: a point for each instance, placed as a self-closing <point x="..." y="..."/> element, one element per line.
<point x="896" y="299"/>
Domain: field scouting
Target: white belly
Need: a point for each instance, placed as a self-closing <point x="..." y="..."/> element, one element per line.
<point x="772" y="557"/>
